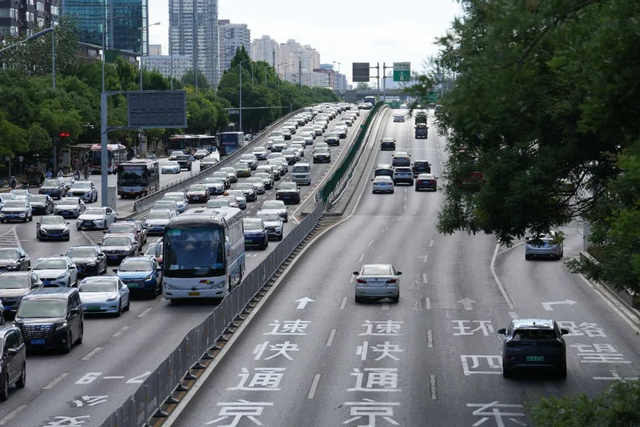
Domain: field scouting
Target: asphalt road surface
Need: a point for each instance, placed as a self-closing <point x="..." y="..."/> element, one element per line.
<point x="433" y="359"/>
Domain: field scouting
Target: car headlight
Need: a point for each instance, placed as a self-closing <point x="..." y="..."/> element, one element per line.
<point x="61" y="277"/>
<point x="219" y="285"/>
<point x="91" y="264"/>
<point x="148" y="278"/>
<point x="1" y="214"/>
<point x="23" y="213"/>
<point x="112" y="299"/>
<point x="61" y="325"/>
<point x="169" y="286"/>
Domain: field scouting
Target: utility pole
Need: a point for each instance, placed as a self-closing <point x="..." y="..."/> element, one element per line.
<point x="299" y="73"/>
<point x="384" y="81"/>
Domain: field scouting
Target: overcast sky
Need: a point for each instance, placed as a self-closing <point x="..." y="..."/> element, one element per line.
<point x="343" y="31"/>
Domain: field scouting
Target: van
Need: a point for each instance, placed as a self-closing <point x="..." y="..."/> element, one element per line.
<point x="301" y="173"/>
<point x="51" y="318"/>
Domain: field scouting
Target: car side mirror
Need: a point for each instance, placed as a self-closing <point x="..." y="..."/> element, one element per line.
<point x="75" y="311"/>
<point x="564" y="331"/>
<point x="399" y="273"/>
<point x="115" y="270"/>
<point x="12" y="351"/>
<point x="104" y="232"/>
<point x="502" y="331"/>
<point x="356" y="273"/>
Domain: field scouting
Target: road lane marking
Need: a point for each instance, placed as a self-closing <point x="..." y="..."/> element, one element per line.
<point x="404" y="207"/>
<point x="424" y="278"/>
<point x="314" y="387"/>
<point x="370" y="243"/>
<point x="361" y="258"/>
<point x="400" y="218"/>
<point x="385" y="306"/>
<point x="427" y="303"/>
<point x="434" y="390"/>
<point x="113" y="377"/>
<point x="120" y="332"/>
<point x="513" y="314"/>
<point x="384" y="229"/>
<point x="616" y="306"/>
<point x="11" y="415"/>
<point x="405" y="198"/>
<point x="430" y="338"/>
<point x="56" y="381"/>
<point x="431" y="243"/>
<point x="353" y="276"/>
<point x="92" y="353"/>
<point x="332" y="335"/>
<point x="144" y="313"/>
<point x="344" y="303"/>
<point x="492" y="267"/>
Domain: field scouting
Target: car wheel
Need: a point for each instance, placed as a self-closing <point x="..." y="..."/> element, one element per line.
<point x="31" y="218"/>
<point x="4" y="392"/>
<point x="563" y="372"/>
<point x="79" y="340"/>
<point x="527" y="257"/>
<point x="67" y="348"/>
<point x="396" y="299"/>
<point x="358" y="299"/>
<point x="128" y="306"/>
<point x="22" y="381"/>
<point x="120" y="309"/>
<point x="25" y="219"/>
<point x="505" y="372"/>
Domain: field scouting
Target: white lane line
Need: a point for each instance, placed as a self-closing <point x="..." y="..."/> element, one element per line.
<point x="617" y="307"/>
<point x="56" y="381"/>
<point x="400" y="217"/>
<point x="116" y="377"/>
<point x="385" y="306"/>
<point x="495" y="276"/>
<point x="405" y="198"/>
<point x="404" y="207"/>
<point x="514" y="246"/>
<point x="431" y="243"/>
<point x="120" y="332"/>
<point x="427" y="303"/>
<point x="361" y="258"/>
<point x="92" y="353"/>
<point x="384" y="229"/>
<point x="353" y="276"/>
<point x="424" y="278"/>
<point x="405" y="190"/>
<point x="11" y="415"/>
<point x="332" y="335"/>
<point x="430" y="338"/>
<point x="144" y="313"/>
<point x="370" y="243"/>
<point x="434" y="389"/>
<point x="513" y="314"/>
<point x="314" y="387"/>
<point x="343" y="303"/>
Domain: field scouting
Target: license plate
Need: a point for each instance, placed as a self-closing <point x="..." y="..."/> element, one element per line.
<point x="195" y="197"/>
<point x="194" y="294"/>
<point x="535" y="358"/>
<point x="79" y="270"/>
<point x="37" y="341"/>
<point x="113" y="257"/>
<point x="132" y="285"/>
<point x="92" y="308"/>
<point x="87" y="223"/>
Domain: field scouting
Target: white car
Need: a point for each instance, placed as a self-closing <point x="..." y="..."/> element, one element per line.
<point x="239" y="196"/>
<point x="382" y="184"/>
<point x="86" y="190"/>
<point x="260" y="153"/>
<point x="179" y="198"/>
<point x="377" y="281"/>
<point x="170" y="167"/>
<point x="104" y="294"/>
<point x="398" y="118"/>
<point x="273" y="223"/>
<point x="59" y="271"/>
<point x="163" y="204"/>
<point x="20" y="194"/>
<point x="276" y="205"/>
<point x="216" y="185"/>
<point x="250" y="159"/>
<point x="157" y="220"/>
<point x="308" y="137"/>
<point x="69" y="207"/>
<point x="96" y="218"/>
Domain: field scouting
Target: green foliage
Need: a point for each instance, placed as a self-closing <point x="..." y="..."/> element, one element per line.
<point x="189" y="79"/>
<point x="617" y="406"/>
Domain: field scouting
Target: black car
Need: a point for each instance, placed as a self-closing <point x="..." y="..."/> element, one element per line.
<point x="426" y="181"/>
<point x="13" y="361"/>
<point x="41" y="204"/>
<point x="16" y="285"/>
<point x="255" y="233"/>
<point x="534" y="344"/>
<point x="248" y="190"/>
<point x="51" y="318"/>
<point x="420" y="166"/>
<point x="54" y="188"/>
<point x="288" y="192"/>
<point x="383" y="170"/>
<point x="14" y="259"/>
<point x="52" y="227"/>
<point x="184" y="161"/>
<point x="388" y="144"/>
<point x="89" y="260"/>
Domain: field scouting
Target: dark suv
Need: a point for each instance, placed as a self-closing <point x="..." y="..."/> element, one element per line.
<point x="420" y="166"/>
<point x="13" y="362"/>
<point x="534" y="344"/>
<point x="51" y="318"/>
<point x="184" y="160"/>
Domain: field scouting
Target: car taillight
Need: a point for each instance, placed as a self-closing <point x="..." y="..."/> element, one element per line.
<point x="391" y="281"/>
<point x="361" y="281"/>
<point x="420" y="181"/>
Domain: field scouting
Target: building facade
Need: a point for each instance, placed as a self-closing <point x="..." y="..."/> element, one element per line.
<point x="155" y="49"/>
<point x="193" y="31"/>
<point x="265" y="49"/>
<point x="232" y="37"/>
<point x="26" y="17"/>
<point x="176" y="65"/>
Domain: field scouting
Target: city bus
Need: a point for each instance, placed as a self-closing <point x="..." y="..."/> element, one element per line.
<point x="138" y="178"/>
<point x="370" y="99"/>
<point x="230" y="142"/>
<point x="117" y="154"/>
<point x="180" y="142"/>
<point x="203" y="253"/>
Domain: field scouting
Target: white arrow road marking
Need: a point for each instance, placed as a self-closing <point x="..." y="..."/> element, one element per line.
<point x="302" y="302"/>
<point x="547" y="305"/>
<point x="467" y="303"/>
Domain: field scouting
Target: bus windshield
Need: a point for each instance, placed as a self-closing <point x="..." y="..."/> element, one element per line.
<point x="132" y="175"/>
<point x="94" y="157"/>
<point x="194" y="252"/>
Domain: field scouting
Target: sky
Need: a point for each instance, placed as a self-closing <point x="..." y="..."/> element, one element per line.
<point x="344" y="31"/>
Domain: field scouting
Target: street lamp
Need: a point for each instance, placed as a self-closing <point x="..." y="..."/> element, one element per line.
<point x="142" y="46"/>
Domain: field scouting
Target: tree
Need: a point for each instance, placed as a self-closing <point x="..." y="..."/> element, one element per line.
<point x="13" y="138"/>
<point x="363" y="86"/>
<point x="189" y="79"/>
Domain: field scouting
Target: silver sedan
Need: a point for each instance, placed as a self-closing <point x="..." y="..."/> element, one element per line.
<point x="377" y="281"/>
<point x="104" y="294"/>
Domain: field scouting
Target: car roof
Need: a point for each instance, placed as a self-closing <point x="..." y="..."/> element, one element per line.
<point x="384" y="166"/>
<point x="533" y="323"/>
<point x="52" y="257"/>
<point x="426" y="176"/>
<point x="382" y="178"/>
<point x="136" y="258"/>
<point x="16" y="273"/>
<point x="48" y="293"/>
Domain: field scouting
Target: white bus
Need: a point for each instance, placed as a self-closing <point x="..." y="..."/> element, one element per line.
<point x="203" y="253"/>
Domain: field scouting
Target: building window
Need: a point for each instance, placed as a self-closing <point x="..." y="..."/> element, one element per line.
<point x="55" y="10"/>
<point x="40" y="7"/>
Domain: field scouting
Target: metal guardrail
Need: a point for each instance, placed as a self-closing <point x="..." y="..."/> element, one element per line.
<point x="161" y="383"/>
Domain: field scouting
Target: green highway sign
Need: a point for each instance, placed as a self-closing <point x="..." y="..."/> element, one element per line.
<point x="401" y="71"/>
<point x="432" y="97"/>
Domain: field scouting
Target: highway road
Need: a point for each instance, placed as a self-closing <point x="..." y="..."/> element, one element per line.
<point x="433" y="359"/>
<point x="117" y="353"/>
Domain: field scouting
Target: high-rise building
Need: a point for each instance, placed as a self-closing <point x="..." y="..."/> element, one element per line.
<point x="265" y="49"/>
<point x="25" y="17"/>
<point x="176" y="65"/>
<point x="122" y="33"/>
<point x="294" y="56"/>
<point x="193" y="31"/>
<point x="232" y="37"/>
<point x="155" y="49"/>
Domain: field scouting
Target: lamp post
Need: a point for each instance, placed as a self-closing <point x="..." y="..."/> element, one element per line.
<point x="142" y="29"/>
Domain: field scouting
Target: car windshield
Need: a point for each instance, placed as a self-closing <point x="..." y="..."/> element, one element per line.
<point x="122" y="228"/>
<point x="151" y="249"/>
<point x="245" y="187"/>
<point x="51" y="183"/>
<point x="9" y="254"/>
<point x="221" y="175"/>
<point x="14" y="204"/>
<point x="288" y="151"/>
<point x="198" y="188"/>
<point x="171" y="164"/>
<point x="51" y="264"/>
<point x="289" y="186"/>
<point x="95" y="211"/>
<point x="242" y="166"/>
<point x="100" y="285"/>
<point x="14" y="282"/>
<point x="252" y="224"/>
<point x="20" y="192"/>
<point x="376" y="270"/>
<point x="214" y="180"/>
<point x="159" y="215"/>
<point x="52" y="220"/>
<point x="263" y="176"/>
<point x="116" y="241"/>
<point x="136" y="265"/>
<point x="37" y="308"/>
<point x="168" y="204"/>
<point x="273" y="204"/>
<point x="322" y="150"/>
<point x="81" y="253"/>
<point x="68" y="202"/>
<point x="269" y="216"/>
<point x="194" y="252"/>
<point x="38" y="198"/>
<point x="218" y="204"/>
<point x="84" y="185"/>
<point x="175" y="197"/>
<point x="300" y="169"/>
<point x="534" y="334"/>
<point x="248" y="157"/>
<point x="235" y="193"/>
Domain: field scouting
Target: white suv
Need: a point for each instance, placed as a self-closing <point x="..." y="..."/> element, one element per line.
<point x="301" y="173"/>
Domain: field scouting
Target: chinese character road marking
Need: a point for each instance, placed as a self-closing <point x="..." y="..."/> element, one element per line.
<point x="264" y="379"/>
<point x="371" y="410"/>
<point x="616" y="376"/>
<point x="386" y="379"/>
<point x="289" y="327"/>
<point x="238" y="410"/>
<point x="492" y="362"/>
<point x="464" y="327"/>
<point x="386" y="349"/>
<point x="599" y="353"/>
<point x="384" y="327"/>
<point x="584" y="328"/>
<point x="495" y="413"/>
<point x="280" y="349"/>
<point x="68" y="421"/>
<point x="90" y="401"/>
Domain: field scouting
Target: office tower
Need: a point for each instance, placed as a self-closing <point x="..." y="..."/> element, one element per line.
<point x="25" y="17"/>
<point x="232" y="37"/>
